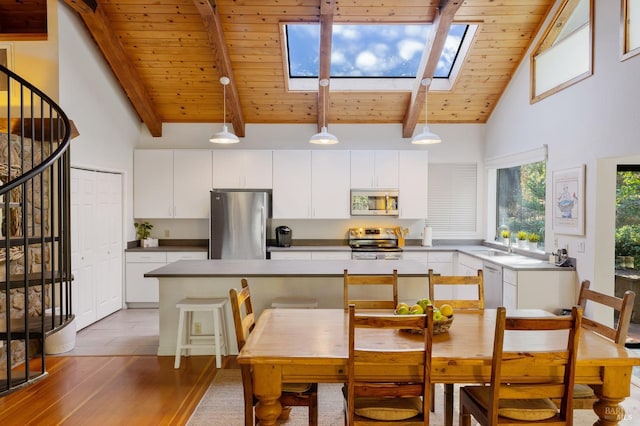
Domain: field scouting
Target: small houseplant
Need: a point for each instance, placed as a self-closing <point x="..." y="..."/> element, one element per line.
<point x="522" y="239"/>
<point x="505" y="236"/>
<point x="143" y="231"/>
<point x="533" y="241"/>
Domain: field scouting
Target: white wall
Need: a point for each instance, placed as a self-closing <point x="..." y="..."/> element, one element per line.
<point x="592" y="120"/>
<point x="90" y="96"/>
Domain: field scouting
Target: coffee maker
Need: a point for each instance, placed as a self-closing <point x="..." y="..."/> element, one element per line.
<point x="283" y="236"/>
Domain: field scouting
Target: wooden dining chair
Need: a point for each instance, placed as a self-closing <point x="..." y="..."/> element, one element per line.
<point x="293" y="394"/>
<point x="390" y="281"/>
<point x="399" y="399"/>
<point x="583" y="395"/>
<point x="505" y="403"/>
<point x="464" y="282"/>
<point x="467" y="283"/>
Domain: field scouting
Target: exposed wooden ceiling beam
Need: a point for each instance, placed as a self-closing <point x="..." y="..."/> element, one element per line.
<point x="100" y="29"/>
<point x="327" y="8"/>
<point x="430" y="57"/>
<point x="212" y="24"/>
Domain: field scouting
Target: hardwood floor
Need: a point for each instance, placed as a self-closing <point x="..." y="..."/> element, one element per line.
<point x="111" y="390"/>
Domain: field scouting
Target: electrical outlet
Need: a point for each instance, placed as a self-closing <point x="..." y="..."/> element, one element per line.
<point x="167" y="233"/>
<point x="580" y="246"/>
<point x="197" y="328"/>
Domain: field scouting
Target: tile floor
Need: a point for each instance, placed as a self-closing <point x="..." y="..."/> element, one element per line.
<point x="125" y="332"/>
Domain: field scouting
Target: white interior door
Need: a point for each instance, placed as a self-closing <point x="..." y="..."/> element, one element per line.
<point x="83" y="247"/>
<point x="96" y="245"/>
<point x="109" y="260"/>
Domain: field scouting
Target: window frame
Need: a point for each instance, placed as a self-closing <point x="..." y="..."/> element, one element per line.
<point x="385" y="84"/>
<point x="625" y="51"/>
<point x="550" y="31"/>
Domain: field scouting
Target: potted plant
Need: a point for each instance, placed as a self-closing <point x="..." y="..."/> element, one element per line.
<point x="522" y="239"/>
<point x="505" y="236"/>
<point x="143" y="230"/>
<point x="533" y="241"/>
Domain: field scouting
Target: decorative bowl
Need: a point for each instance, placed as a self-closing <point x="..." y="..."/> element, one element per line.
<point x="439" y="327"/>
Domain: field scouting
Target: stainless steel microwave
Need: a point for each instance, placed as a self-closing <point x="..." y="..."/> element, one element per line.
<point x="374" y="202"/>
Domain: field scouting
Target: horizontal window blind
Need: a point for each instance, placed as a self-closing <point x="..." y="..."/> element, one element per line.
<point x="452" y="199"/>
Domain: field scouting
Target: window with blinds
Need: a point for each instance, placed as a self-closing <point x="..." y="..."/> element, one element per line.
<point x="453" y="193"/>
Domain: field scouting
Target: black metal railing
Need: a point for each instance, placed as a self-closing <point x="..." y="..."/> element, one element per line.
<point x="35" y="251"/>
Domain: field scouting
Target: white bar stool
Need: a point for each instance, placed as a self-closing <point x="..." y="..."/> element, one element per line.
<point x="294" y="302"/>
<point x="187" y="307"/>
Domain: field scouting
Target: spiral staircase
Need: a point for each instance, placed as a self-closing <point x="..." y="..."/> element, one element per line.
<point x="35" y="252"/>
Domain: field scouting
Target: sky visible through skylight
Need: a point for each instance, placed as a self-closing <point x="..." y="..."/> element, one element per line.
<point x="369" y="50"/>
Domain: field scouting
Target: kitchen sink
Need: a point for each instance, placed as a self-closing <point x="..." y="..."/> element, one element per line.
<point x="484" y="252"/>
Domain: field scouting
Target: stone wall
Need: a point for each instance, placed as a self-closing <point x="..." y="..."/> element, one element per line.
<point x="37" y="220"/>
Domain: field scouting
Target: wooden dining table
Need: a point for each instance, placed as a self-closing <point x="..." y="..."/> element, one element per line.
<point x="311" y="346"/>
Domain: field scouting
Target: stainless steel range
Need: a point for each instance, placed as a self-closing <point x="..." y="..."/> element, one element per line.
<point x="374" y="244"/>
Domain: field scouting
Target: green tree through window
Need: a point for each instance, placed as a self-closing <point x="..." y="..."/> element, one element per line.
<point x="521" y="198"/>
<point x="628" y="217"/>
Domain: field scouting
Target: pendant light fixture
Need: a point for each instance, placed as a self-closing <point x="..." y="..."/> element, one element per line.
<point x="324" y="137"/>
<point x="224" y="136"/>
<point x="426" y="137"/>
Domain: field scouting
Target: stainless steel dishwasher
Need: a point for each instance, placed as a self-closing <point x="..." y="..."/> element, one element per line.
<point x="492" y="274"/>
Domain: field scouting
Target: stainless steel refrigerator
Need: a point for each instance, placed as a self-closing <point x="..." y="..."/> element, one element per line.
<point x="238" y="223"/>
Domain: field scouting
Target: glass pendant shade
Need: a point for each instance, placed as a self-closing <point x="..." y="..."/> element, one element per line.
<point x="224" y="136"/>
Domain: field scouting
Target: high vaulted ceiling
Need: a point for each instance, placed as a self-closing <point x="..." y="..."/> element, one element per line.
<point x="170" y="54"/>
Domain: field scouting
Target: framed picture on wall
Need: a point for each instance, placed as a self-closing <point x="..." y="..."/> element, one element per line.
<point x="568" y="201"/>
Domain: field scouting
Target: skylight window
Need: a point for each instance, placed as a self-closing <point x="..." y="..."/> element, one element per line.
<point x="370" y="52"/>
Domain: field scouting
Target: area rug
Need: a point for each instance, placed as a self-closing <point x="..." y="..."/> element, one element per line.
<point x="222" y="405"/>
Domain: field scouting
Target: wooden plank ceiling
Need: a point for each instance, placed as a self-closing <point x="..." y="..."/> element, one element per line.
<point x="169" y="55"/>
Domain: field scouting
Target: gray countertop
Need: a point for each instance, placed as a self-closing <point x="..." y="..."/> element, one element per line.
<point x="289" y="268"/>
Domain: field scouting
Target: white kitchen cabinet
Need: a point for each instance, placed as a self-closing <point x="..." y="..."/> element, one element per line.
<point x="311" y="184"/>
<point x="242" y="169"/>
<point x="291" y="184"/>
<point x="331" y="255"/>
<point x="441" y="262"/>
<point x="311" y="255"/>
<point x="374" y="169"/>
<point x="509" y="288"/>
<point x="172" y="183"/>
<point x="191" y="183"/>
<point x="413" y="175"/>
<point x="291" y="255"/>
<point x="141" y="291"/>
<point x="551" y="290"/>
<point x="467" y="265"/>
<point x="153" y="183"/>
<point x="330" y="185"/>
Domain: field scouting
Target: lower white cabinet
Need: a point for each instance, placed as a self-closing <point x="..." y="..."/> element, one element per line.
<point x="551" y="290"/>
<point x="310" y="255"/>
<point x="141" y="291"/>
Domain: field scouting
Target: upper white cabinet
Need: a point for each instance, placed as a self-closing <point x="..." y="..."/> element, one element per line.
<point x="241" y="169"/>
<point x="413" y="176"/>
<point x="311" y="184"/>
<point x="172" y="183"/>
<point x="330" y="184"/>
<point x="291" y="184"/>
<point x="191" y="183"/>
<point x="374" y="169"/>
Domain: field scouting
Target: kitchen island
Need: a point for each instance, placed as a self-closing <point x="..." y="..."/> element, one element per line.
<point x="268" y="279"/>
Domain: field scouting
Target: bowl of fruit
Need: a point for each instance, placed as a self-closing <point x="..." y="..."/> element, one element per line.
<point x="442" y="315"/>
